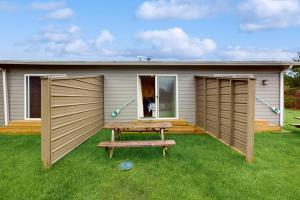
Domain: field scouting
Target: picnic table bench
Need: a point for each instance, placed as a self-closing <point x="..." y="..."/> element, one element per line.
<point x="296" y="125"/>
<point x="120" y="127"/>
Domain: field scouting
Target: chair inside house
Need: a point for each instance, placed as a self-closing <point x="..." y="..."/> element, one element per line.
<point x="148" y="92"/>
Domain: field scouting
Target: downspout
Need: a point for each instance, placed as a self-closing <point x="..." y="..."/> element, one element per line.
<point x="282" y="94"/>
<point x="5" y="96"/>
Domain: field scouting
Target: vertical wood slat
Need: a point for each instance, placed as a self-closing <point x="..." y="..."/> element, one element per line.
<point x="250" y="119"/>
<point x="196" y="100"/>
<point x="103" y="94"/>
<point x="205" y="103"/>
<point x="231" y="119"/>
<point x="218" y="108"/>
<point x="46" y="122"/>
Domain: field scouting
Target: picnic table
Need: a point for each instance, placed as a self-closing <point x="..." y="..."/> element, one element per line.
<point x="120" y="127"/>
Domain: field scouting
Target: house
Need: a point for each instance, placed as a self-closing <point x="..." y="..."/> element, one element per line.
<point x="153" y="90"/>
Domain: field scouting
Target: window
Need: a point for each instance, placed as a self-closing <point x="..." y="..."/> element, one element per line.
<point x="32" y="94"/>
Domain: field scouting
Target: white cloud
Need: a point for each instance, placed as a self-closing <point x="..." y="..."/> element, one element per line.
<point x="266" y="14"/>
<point x="57" y="41"/>
<point x="55" y="10"/>
<point x="61" y="14"/>
<point x="256" y="54"/>
<point x="54" y="34"/>
<point x="104" y="37"/>
<point x="174" y="42"/>
<point x="52" y="5"/>
<point x="178" y="9"/>
<point x="65" y="42"/>
<point x="77" y="46"/>
<point x="73" y="29"/>
<point x="53" y="37"/>
<point x="8" y="6"/>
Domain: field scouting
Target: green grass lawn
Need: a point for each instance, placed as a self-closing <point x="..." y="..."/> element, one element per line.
<point x="199" y="167"/>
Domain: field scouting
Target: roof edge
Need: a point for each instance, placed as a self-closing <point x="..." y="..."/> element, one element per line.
<point x="136" y="63"/>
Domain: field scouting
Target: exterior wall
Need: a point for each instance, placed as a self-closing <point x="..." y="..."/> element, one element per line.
<point x="1" y="101"/>
<point x="120" y="85"/>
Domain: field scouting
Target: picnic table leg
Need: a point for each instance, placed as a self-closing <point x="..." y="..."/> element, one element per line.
<point x="162" y="134"/>
<point x="111" y="152"/>
<point x="164" y="151"/>
<point x="163" y="138"/>
<point x="112" y="135"/>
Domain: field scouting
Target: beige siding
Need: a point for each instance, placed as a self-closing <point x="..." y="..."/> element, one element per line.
<point x="1" y="101"/>
<point x="120" y="86"/>
<point x="72" y="111"/>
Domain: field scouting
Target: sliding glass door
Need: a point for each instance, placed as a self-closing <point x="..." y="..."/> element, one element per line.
<point x="157" y="96"/>
<point x="167" y="96"/>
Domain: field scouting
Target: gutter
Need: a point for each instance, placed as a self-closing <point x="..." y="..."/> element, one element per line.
<point x="282" y="94"/>
<point x="5" y="96"/>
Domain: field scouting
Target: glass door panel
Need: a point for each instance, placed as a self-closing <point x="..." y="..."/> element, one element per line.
<point x="167" y="97"/>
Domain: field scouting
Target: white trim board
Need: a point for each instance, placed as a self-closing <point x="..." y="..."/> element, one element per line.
<point x="5" y="97"/>
<point x="281" y="99"/>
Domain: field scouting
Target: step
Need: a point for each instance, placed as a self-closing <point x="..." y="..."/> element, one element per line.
<point x="175" y="122"/>
<point x="185" y="129"/>
<point x="261" y="123"/>
<point x="179" y="123"/>
<point x="181" y="128"/>
<point x="260" y="120"/>
<point x="186" y="133"/>
<point x="29" y="131"/>
<point x="267" y="128"/>
<point x="20" y="129"/>
<point x="199" y="130"/>
<point x="34" y="123"/>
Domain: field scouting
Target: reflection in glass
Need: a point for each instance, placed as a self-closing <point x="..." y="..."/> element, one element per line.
<point x="167" y="96"/>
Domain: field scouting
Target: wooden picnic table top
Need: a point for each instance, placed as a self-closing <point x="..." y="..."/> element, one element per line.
<point x="143" y="143"/>
<point x="137" y="125"/>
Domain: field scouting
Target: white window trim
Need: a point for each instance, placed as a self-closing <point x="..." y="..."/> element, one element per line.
<point x="26" y="92"/>
<point x="156" y="90"/>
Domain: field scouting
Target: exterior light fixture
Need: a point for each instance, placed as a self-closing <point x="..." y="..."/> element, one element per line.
<point x="265" y="82"/>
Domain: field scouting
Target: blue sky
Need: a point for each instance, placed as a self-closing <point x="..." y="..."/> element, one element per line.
<point x="162" y="29"/>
